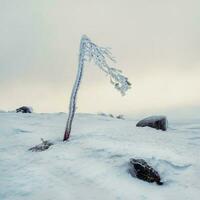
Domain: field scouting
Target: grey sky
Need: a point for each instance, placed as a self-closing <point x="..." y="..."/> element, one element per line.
<point x="156" y="43"/>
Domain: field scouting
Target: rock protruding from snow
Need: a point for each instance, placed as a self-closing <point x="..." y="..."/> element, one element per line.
<point x="120" y="116"/>
<point x="24" y="109"/>
<point x="41" y="147"/>
<point x="140" y="169"/>
<point x="157" y="122"/>
<point x="111" y="115"/>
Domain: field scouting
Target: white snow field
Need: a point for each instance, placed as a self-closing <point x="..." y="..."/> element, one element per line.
<point x="93" y="164"/>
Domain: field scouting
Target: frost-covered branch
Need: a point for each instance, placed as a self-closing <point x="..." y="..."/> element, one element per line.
<point x="100" y="55"/>
<point x="90" y="51"/>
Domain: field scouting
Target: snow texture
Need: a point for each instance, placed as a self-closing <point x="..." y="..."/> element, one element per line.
<point x="93" y="164"/>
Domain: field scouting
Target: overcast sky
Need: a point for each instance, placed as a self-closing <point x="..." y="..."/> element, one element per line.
<point x="156" y="44"/>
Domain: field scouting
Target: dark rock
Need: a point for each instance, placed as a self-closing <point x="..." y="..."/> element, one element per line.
<point x="120" y="117"/>
<point x="140" y="169"/>
<point x="102" y="114"/>
<point x="111" y="115"/>
<point x="41" y="147"/>
<point x="157" y="122"/>
<point x="24" y="109"/>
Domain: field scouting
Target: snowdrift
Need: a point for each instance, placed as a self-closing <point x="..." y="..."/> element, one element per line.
<point x="93" y="163"/>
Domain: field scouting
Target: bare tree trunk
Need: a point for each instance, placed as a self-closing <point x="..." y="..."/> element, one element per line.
<point x="72" y="105"/>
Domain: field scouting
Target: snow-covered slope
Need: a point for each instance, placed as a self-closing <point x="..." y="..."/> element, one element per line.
<point x="93" y="163"/>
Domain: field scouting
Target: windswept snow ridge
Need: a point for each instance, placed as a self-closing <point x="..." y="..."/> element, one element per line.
<point x="93" y="164"/>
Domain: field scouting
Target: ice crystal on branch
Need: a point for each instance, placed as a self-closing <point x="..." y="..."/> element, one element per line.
<point x="99" y="56"/>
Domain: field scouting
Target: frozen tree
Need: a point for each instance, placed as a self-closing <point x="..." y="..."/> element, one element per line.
<point x="90" y="51"/>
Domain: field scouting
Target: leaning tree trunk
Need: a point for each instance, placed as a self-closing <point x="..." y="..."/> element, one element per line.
<point x="72" y="105"/>
<point x="90" y="51"/>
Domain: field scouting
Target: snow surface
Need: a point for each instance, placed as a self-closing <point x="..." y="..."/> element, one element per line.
<point x="93" y="163"/>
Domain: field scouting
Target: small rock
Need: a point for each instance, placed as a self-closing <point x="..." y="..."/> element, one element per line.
<point x="120" y="117"/>
<point x="41" y="147"/>
<point x="111" y="115"/>
<point x="102" y="114"/>
<point x="24" y="109"/>
<point x="157" y="122"/>
<point x="140" y="169"/>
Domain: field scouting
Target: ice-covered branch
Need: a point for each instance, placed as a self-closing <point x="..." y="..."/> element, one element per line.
<point x="100" y="55"/>
<point x="90" y="51"/>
